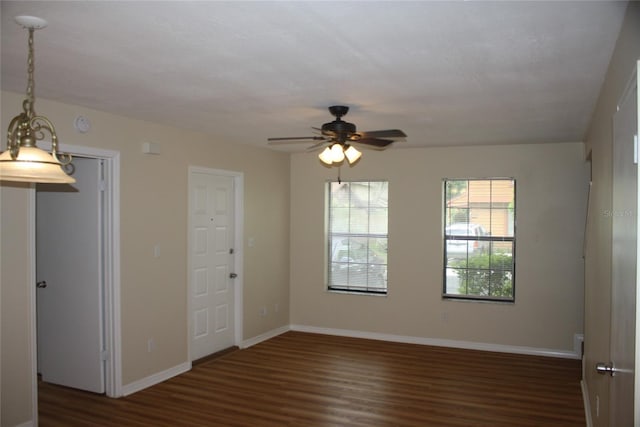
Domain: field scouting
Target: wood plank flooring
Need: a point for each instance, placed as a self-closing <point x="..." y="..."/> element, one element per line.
<point x="300" y="379"/>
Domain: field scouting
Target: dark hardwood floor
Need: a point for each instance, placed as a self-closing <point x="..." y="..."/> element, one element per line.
<point x="300" y="379"/>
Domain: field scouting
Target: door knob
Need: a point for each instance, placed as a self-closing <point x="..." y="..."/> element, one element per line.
<point x="41" y="284"/>
<point x="233" y="275"/>
<point x="606" y="368"/>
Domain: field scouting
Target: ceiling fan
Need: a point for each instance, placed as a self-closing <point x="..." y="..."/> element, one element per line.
<point x="338" y="136"/>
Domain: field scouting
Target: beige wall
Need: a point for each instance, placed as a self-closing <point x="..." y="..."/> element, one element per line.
<point x="599" y="232"/>
<point x="551" y="189"/>
<point x="154" y="211"/>
<point x="15" y="321"/>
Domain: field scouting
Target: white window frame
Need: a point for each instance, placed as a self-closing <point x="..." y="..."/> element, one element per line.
<point x="485" y="240"/>
<point x="374" y="271"/>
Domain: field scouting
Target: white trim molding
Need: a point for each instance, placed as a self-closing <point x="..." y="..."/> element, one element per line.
<point x="587" y="404"/>
<point x="33" y="339"/>
<point x="578" y="341"/>
<point x="263" y="337"/>
<point x="156" y="378"/>
<point x="438" y="342"/>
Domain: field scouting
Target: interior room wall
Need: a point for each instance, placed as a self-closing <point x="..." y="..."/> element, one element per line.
<point x="599" y="144"/>
<point x="551" y="191"/>
<point x="15" y="322"/>
<point x="153" y="211"/>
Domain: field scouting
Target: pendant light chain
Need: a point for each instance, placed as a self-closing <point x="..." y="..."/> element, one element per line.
<point x="28" y="107"/>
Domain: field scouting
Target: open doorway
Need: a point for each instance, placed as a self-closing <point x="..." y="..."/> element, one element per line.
<point x="69" y="279"/>
<point x="103" y="168"/>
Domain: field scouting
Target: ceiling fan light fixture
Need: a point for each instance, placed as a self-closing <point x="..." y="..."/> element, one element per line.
<point x="338" y="135"/>
<point x="23" y="161"/>
<point x="352" y="154"/>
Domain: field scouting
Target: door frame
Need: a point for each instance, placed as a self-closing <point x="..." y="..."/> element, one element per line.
<point x="112" y="328"/>
<point x="238" y="265"/>
<point x="636" y="387"/>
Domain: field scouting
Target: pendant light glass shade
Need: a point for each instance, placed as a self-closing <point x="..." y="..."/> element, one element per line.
<point x="337" y="153"/>
<point x="352" y="154"/>
<point x="23" y="161"/>
<point x="32" y="165"/>
<point x="325" y="157"/>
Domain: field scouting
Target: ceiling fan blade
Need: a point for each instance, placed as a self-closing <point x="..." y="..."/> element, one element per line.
<point x="316" y="146"/>
<point x="387" y="133"/>
<point x="289" y="142"/>
<point x="375" y="142"/>
<point x="294" y="138"/>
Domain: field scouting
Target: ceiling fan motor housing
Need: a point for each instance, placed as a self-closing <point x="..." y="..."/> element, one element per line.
<point x="339" y="128"/>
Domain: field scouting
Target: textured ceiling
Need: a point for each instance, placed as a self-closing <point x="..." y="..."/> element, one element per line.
<point x="447" y="73"/>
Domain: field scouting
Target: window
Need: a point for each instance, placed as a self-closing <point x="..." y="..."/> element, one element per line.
<point x="357" y="236"/>
<point x="479" y="239"/>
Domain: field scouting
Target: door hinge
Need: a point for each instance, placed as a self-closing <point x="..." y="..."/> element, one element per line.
<point x="104" y="355"/>
<point x="103" y="185"/>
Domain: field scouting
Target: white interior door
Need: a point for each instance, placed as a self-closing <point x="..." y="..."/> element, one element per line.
<point x="624" y="260"/>
<point x="68" y="258"/>
<point x="212" y="237"/>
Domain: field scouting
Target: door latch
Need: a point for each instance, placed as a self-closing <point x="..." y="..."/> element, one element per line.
<point x="41" y="284"/>
<point x="233" y="275"/>
<point x="606" y="368"/>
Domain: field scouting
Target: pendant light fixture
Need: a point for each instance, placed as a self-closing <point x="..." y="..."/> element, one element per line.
<point x="23" y="161"/>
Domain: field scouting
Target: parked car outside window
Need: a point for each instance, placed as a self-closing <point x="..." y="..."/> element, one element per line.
<point x="463" y="247"/>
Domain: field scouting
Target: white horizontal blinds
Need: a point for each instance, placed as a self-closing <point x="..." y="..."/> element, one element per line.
<point x="479" y="238"/>
<point x="357" y="236"/>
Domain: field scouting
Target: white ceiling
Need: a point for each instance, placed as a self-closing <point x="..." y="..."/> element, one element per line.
<point x="447" y="73"/>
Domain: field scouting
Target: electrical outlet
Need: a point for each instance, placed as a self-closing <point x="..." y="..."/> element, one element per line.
<point x="263" y="311"/>
<point x="151" y="345"/>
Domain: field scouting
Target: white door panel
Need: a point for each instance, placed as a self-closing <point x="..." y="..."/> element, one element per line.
<point x="624" y="262"/>
<point x="68" y="259"/>
<point x="212" y="237"/>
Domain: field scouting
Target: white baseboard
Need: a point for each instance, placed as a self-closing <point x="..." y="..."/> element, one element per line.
<point x="263" y="337"/>
<point x="587" y="404"/>
<point x="469" y="345"/>
<point x="155" y="378"/>
<point x="29" y="423"/>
